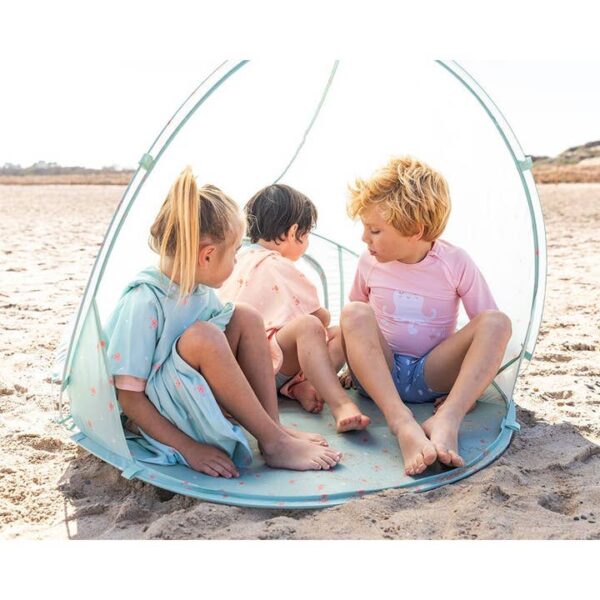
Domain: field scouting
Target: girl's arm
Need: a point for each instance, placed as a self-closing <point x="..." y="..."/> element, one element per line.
<point x="200" y="457"/>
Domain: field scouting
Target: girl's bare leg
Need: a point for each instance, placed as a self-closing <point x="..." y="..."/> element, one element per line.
<point x="204" y="347"/>
<point x="466" y="363"/>
<point x="304" y="347"/>
<point x="371" y="361"/>
<point x="248" y="342"/>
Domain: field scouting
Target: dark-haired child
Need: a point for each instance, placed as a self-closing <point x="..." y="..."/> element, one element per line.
<point x="297" y="326"/>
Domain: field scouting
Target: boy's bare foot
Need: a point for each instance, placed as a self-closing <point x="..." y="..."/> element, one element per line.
<point x="349" y="418"/>
<point x="346" y="379"/>
<point x="308" y="397"/>
<point x="439" y="401"/>
<point x="418" y="452"/>
<point x="442" y="430"/>
<point x="315" y="438"/>
<point x="131" y="426"/>
<point x="288" y="452"/>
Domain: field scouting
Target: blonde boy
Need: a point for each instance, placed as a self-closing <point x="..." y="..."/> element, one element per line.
<point x="399" y="330"/>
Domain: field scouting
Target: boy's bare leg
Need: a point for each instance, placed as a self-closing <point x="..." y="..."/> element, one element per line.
<point x="245" y="333"/>
<point x="371" y="361"/>
<point x="335" y="348"/>
<point x="304" y="391"/>
<point x="466" y="363"/>
<point x="304" y="347"/>
<point x="204" y="347"/>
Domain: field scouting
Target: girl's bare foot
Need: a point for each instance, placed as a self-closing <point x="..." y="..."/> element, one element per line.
<point x="308" y="397"/>
<point x="288" y="452"/>
<point x="348" y="417"/>
<point x="442" y="430"/>
<point x="315" y="438"/>
<point x="418" y="452"/>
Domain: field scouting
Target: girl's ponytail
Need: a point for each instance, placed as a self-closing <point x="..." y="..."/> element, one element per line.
<point x="187" y="215"/>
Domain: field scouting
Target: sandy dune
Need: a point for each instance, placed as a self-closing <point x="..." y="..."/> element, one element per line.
<point x="547" y="485"/>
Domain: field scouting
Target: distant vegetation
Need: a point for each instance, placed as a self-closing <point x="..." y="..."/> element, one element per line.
<point x="580" y="164"/>
<point x="52" y="173"/>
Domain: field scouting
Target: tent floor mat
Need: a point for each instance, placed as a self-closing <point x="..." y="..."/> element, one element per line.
<point x="372" y="461"/>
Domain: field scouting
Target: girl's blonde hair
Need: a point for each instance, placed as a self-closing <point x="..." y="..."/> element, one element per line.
<point x="409" y="194"/>
<point x="188" y="216"/>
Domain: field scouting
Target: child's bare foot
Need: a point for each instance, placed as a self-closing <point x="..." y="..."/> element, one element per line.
<point x="299" y="455"/>
<point x="308" y="397"/>
<point x="346" y="379"/>
<point x="418" y="452"/>
<point x="442" y="430"/>
<point x="349" y="418"/>
<point x="315" y="438"/>
<point x="439" y="401"/>
<point x="131" y="426"/>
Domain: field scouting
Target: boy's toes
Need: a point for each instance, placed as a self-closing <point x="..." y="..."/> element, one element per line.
<point x="443" y="455"/>
<point x="456" y="459"/>
<point x="430" y="454"/>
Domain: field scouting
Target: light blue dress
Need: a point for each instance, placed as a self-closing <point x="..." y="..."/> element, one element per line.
<point x="142" y="335"/>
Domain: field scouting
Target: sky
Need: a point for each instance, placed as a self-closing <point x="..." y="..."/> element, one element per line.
<point x="92" y="84"/>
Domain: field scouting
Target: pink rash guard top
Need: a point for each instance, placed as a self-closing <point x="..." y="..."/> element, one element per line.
<point x="416" y="305"/>
<point x="275" y="287"/>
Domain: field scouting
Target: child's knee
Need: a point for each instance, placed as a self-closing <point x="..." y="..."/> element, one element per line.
<point x="247" y="314"/>
<point x="497" y="323"/>
<point x="354" y="315"/>
<point x="311" y="325"/>
<point x="199" y="337"/>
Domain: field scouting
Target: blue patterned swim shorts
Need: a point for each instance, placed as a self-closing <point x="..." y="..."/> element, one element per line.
<point x="409" y="379"/>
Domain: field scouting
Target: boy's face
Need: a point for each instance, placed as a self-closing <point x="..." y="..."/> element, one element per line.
<point x="384" y="241"/>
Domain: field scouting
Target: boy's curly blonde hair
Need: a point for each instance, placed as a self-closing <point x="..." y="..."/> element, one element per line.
<point x="409" y="194"/>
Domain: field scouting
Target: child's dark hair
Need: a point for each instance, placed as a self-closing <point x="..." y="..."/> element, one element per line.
<point x="274" y="209"/>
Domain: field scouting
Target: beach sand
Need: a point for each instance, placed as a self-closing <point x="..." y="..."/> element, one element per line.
<point x="545" y="486"/>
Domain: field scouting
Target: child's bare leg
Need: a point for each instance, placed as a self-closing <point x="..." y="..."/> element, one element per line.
<point x="334" y="347"/>
<point x="303" y="344"/>
<point x="304" y="391"/>
<point x="245" y="333"/>
<point x="371" y="361"/>
<point x="466" y="363"/>
<point x="204" y="347"/>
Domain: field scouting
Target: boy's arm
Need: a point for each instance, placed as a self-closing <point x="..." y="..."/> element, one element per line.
<point x="145" y="415"/>
<point x="323" y="315"/>
<point x="473" y="289"/>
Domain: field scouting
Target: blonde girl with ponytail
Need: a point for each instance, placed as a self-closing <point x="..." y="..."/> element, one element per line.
<point x="181" y="360"/>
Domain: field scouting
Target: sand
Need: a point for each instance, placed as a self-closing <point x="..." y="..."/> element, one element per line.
<point x="545" y="486"/>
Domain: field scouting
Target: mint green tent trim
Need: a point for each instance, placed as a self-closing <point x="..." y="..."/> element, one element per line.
<point x="302" y="117"/>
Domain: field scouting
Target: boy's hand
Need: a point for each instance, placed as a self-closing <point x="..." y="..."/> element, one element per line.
<point x="209" y="460"/>
<point x="346" y="379"/>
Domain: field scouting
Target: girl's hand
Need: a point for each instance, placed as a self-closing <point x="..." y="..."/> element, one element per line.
<point x="346" y="379"/>
<point x="209" y="460"/>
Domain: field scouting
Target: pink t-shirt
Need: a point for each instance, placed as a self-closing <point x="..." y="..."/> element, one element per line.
<point x="275" y="287"/>
<point x="416" y="305"/>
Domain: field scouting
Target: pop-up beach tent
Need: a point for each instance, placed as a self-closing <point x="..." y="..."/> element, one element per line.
<point x="317" y="127"/>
